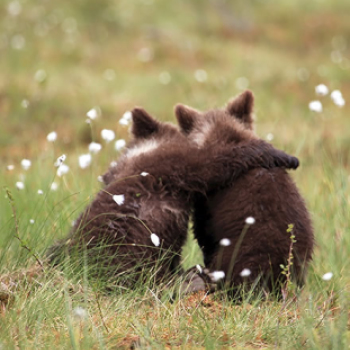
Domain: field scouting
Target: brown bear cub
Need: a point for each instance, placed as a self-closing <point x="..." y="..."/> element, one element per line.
<point x="249" y="252"/>
<point x="138" y="222"/>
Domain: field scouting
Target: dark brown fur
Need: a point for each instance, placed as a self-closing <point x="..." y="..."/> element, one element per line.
<point x="160" y="202"/>
<point x="268" y="195"/>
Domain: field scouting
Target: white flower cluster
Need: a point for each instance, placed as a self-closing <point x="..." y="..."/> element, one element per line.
<point x="250" y="220"/>
<point x="225" y="242"/>
<point x="26" y="164"/>
<point x="119" y="199"/>
<point x="245" y="273"/>
<point x="327" y="276"/>
<point x="199" y="268"/>
<point x="217" y="275"/>
<point x="84" y="160"/>
<point x="126" y="118"/>
<point x="155" y="239"/>
<point x="322" y="90"/>
<point x="119" y="144"/>
<point x="337" y="98"/>
<point x="108" y="135"/>
<point x="20" y="185"/>
<point x="316" y="106"/>
<point x="201" y="75"/>
<point x="62" y="170"/>
<point x="95" y="147"/>
<point x="80" y="313"/>
<point x="52" y="136"/>
<point x="93" y="113"/>
<point x="60" y="160"/>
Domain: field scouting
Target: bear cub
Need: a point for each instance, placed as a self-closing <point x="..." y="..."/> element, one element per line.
<point x="251" y="252"/>
<point x="137" y="224"/>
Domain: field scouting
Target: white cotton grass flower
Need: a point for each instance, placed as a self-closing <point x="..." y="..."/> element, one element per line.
<point x="164" y="78"/>
<point x="155" y="239"/>
<point x="245" y="273"/>
<point x="40" y="192"/>
<point x="26" y="164"/>
<point x="335" y="94"/>
<point x="336" y="57"/>
<point x="321" y="90"/>
<point x="62" y="170"/>
<point x="337" y="98"/>
<point x="145" y="54"/>
<point x="113" y="164"/>
<point x="100" y="178"/>
<point x="144" y="173"/>
<point x="119" y="144"/>
<point x="20" y="185"/>
<point x="95" y="147"/>
<point x="315" y="106"/>
<point x="18" y="42"/>
<point x="10" y="167"/>
<point x="119" y="199"/>
<point x="201" y="75"/>
<point x="124" y="122"/>
<point x="93" y="113"/>
<point x="339" y="102"/>
<point x="80" y="313"/>
<point x="327" y="276"/>
<point x="250" y="220"/>
<point x="84" y="160"/>
<point x="32" y="221"/>
<point x="60" y="160"/>
<point x="108" y="135"/>
<point x="40" y="75"/>
<point x="217" y="275"/>
<point x="54" y="186"/>
<point x="25" y="103"/>
<point x="14" y="8"/>
<point x="269" y="136"/>
<point x="52" y="136"/>
<point x="225" y="242"/>
<point x="126" y="118"/>
<point x="199" y="268"/>
<point x="242" y="83"/>
<point x="127" y="115"/>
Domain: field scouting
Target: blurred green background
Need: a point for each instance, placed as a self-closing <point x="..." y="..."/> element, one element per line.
<point x="60" y="59"/>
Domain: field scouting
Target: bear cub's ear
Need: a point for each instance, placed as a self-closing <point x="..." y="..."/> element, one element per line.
<point x="143" y="124"/>
<point x="186" y="117"/>
<point x="241" y="108"/>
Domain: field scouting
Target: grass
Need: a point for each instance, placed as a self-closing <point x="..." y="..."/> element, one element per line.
<point x="93" y="54"/>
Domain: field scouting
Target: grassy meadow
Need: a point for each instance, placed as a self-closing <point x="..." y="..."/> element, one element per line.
<point x="59" y="60"/>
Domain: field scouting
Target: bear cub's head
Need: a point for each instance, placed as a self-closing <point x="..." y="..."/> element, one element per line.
<point x="146" y="129"/>
<point x="148" y="135"/>
<point x="231" y="125"/>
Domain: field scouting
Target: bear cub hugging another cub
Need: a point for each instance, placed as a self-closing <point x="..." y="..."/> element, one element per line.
<point x="137" y="224"/>
<point x="249" y="255"/>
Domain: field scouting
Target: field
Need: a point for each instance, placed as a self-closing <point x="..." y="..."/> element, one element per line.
<point x="60" y="60"/>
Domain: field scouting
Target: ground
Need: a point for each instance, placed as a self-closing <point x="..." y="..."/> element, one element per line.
<point x="58" y="61"/>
